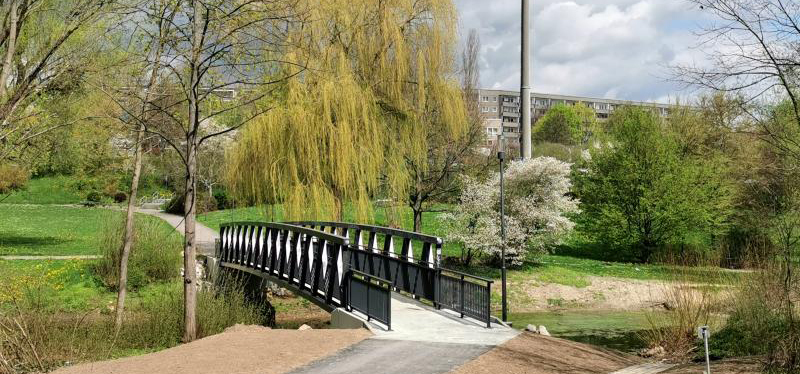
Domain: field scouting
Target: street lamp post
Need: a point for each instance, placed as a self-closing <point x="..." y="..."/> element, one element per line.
<point x="501" y="155"/>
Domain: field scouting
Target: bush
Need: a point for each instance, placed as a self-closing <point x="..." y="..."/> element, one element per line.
<point x="94" y="197"/>
<point x="155" y="256"/>
<point x="12" y="177"/>
<point x="120" y="197"/>
<point x="223" y="200"/>
<point x="204" y="204"/>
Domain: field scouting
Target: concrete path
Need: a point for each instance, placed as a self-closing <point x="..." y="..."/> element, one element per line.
<point x="395" y="357"/>
<point x="73" y="257"/>
<point x="423" y="340"/>
<point x="205" y="235"/>
<point x="649" y="368"/>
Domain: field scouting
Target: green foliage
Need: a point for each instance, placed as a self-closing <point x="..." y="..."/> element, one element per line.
<point x="12" y="178"/>
<point x="565" y="124"/>
<point x="639" y="192"/>
<point x="46" y="190"/>
<point x="155" y="255"/>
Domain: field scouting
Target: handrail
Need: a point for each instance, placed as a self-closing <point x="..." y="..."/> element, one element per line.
<point x="379" y="229"/>
<point x="487" y="280"/>
<point x="287" y="226"/>
<point x="366" y="275"/>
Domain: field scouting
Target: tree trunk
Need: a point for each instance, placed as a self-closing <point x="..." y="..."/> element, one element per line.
<point x="11" y="45"/>
<point x="129" y="234"/>
<point x="417" y="208"/>
<point x="189" y="248"/>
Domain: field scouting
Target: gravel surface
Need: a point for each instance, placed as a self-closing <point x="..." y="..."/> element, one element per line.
<point x="535" y="354"/>
<point x="239" y="350"/>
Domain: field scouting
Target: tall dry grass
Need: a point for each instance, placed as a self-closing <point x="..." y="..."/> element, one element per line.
<point x="35" y="337"/>
<point x="155" y="255"/>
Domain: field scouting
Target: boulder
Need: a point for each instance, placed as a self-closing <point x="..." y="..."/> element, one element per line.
<point x="532" y="328"/>
<point x="305" y="327"/>
<point x="543" y="331"/>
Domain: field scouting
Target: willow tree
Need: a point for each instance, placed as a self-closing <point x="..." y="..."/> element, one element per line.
<point x="380" y="79"/>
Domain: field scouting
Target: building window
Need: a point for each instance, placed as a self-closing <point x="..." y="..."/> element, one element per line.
<point x="494" y="98"/>
<point x="485" y="109"/>
<point x="494" y="109"/>
<point x="486" y="99"/>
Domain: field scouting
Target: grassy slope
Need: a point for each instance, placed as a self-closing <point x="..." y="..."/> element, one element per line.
<point x="46" y="190"/>
<point x="54" y="230"/>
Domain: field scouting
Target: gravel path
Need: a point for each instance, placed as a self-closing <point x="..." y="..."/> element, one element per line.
<point x="536" y="354"/>
<point x="240" y="350"/>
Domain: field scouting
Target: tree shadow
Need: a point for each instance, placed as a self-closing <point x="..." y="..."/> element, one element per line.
<point x="14" y="239"/>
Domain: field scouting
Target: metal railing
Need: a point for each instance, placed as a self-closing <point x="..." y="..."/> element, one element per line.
<point x="307" y="259"/>
<point x="386" y="240"/>
<point x="370" y="295"/>
<point x="466" y="294"/>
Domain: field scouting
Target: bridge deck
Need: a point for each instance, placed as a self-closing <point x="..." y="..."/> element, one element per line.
<point x="414" y="321"/>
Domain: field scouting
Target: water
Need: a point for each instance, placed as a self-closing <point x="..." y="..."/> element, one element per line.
<point x="618" y="330"/>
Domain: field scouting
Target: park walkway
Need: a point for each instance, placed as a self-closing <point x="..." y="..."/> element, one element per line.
<point x="204" y="235"/>
<point x="429" y="341"/>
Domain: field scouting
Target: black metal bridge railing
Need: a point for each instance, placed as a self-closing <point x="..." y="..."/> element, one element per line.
<point x="315" y="257"/>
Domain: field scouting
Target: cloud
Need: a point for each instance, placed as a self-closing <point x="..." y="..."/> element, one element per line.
<point x="600" y="48"/>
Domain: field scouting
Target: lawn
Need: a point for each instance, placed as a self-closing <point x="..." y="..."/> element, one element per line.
<point x="45" y="190"/>
<point x="56" y="230"/>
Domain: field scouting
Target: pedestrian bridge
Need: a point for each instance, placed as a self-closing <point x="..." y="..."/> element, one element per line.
<point x="360" y="268"/>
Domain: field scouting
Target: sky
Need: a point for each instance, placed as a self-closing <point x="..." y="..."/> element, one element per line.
<point x="616" y="49"/>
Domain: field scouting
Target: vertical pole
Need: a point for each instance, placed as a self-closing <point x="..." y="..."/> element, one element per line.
<point x="501" y="157"/>
<point x="461" y="294"/>
<point x="705" y="340"/>
<point x="525" y="87"/>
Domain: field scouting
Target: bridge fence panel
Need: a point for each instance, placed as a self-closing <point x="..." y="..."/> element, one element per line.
<point x="466" y="294"/>
<point x="305" y="258"/>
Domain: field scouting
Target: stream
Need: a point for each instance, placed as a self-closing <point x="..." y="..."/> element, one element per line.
<point x="618" y="330"/>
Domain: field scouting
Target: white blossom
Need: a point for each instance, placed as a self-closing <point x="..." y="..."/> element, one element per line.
<point x="537" y="204"/>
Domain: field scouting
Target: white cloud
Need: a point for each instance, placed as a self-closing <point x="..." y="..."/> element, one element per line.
<point x="600" y="48"/>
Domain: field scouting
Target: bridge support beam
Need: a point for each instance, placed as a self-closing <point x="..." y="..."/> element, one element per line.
<point x="342" y="319"/>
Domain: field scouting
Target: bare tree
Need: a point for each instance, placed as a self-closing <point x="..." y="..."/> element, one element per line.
<point x="754" y="50"/>
<point x="217" y="68"/>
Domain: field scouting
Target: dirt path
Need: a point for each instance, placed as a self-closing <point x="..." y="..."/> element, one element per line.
<point x="536" y="354"/>
<point x="240" y="350"/>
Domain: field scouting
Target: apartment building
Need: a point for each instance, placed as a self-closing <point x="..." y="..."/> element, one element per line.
<point x="501" y="110"/>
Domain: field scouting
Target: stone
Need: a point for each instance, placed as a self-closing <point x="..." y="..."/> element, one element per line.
<point x="532" y="328"/>
<point x="543" y="331"/>
<point x="305" y="327"/>
<point x="657" y="351"/>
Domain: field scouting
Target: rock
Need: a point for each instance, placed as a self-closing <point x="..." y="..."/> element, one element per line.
<point x="304" y="327"/>
<point x="532" y="328"/>
<point x="543" y="331"/>
<point x="657" y="351"/>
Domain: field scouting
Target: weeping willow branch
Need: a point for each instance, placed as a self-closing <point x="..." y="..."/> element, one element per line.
<point x="381" y="81"/>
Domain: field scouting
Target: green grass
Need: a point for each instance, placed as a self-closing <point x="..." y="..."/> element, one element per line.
<point x="56" y="230"/>
<point x="45" y="190"/>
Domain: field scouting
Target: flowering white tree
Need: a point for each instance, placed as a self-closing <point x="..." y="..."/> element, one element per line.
<point x="538" y="197"/>
<point x="537" y="204"/>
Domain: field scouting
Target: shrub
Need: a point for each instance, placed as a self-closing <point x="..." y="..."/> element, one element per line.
<point x="204" y="204"/>
<point x="155" y="255"/>
<point x="12" y="177"/>
<point x="94" y="197"/>
<point x="120" y="197"/>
